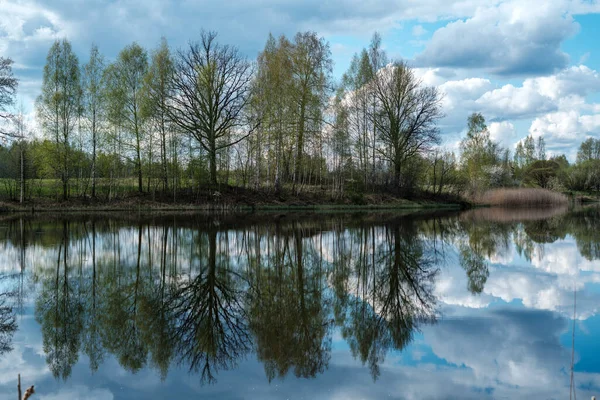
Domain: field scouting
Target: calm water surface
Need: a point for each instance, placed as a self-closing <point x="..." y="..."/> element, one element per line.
<point x="470" y="305"/>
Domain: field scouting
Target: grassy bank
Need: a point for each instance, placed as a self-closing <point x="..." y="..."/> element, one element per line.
<point x="238" y="199"/>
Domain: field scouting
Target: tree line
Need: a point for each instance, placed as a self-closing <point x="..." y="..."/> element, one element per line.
<point x="204" y="118"/>
<point x="485" y="164"/>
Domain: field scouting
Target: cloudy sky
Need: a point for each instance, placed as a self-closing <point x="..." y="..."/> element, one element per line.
<point x="528" y="66"/>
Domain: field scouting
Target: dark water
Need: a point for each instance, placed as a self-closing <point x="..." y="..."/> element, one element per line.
<point x="447" y="306"/>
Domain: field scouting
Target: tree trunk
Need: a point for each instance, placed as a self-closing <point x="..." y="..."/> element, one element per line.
<point x="300" y="143"/>
<point x="139" y="160"/>
<point x="65" y="187"/>
<point x="65" y="176"/>
<point x="398" y="174"/>
<point x="21" y="197"/>
<point x="163" y="154"/>
<point x="94" y="140"/>
<point x="258" y="162"/>
<point x="213" y="162"/>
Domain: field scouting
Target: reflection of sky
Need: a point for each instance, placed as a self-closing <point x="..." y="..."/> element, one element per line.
<point x="545" y="283"/>
<point x="509" y="353"/>
<point x="512" y="341"/>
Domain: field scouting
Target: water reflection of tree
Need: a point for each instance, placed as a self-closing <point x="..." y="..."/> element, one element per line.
<point x="392" y="294"/>
<point x="58" y="310"/>
<point x="479" y="241"/>
<point x="209" y="322"/>
<point x="154" y="295"/>
<point x="584" y="228"/>
<point x="476" y="267"/>
<point x="124" y="289"/>
<point x="92" y="333"/>
<point x="12" y="299"/>
<point x="8" y="323"/>
<point x="289" y="314"/>
<point x="155" y="322"/>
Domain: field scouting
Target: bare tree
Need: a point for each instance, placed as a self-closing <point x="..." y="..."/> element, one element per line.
<point x="8" y="89"/>
<point x="405" y="116"/>
<point x="211" y="89"/>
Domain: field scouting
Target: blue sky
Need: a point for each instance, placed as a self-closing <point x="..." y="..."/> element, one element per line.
<point x="529" y="66"/>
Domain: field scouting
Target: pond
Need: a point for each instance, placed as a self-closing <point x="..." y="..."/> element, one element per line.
<point x="470" y="305"/>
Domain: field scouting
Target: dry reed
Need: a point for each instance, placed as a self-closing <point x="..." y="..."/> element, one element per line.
<point x="507" y="215"/>
<point x="523" y="197"/>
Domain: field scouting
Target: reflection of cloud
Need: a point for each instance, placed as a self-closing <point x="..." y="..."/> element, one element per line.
<point x="20" y="361"/>
<point x="517" y="354"/>
<point x="504" y="346"/>
<point x="451" y="288"/>
<point x="545" y="283"/>
<point x="26" y="358"/>
<point x="501" y="354"/>
<point x="557" y="268"/>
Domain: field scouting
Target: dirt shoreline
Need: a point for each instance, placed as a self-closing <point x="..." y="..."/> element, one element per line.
<point x="144" y="204"/>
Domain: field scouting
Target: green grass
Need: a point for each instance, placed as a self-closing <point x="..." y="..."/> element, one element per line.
<point x="46" y="195"/>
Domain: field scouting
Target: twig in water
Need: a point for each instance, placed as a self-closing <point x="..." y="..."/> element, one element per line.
<point x="28" y="392"/>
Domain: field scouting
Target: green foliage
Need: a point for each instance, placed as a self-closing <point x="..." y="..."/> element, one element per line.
<point x="540" y="173"/>
<point x="126" y="96"/>
<point x="480" y="155"/>
<point x="357" y="198"/>
<point x="588" y="150"/>
<point x="584" y="175"/>
<point x="59" y="106"/>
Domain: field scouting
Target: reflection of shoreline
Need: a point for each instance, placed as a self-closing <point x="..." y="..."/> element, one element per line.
<point x="159" y="295"/>
<point x="277" y="286"/>
<point x="499" y="214"/>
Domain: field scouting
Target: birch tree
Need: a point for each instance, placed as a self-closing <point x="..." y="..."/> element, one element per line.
<point x="58" y="105"/>
<point x="126" y="95"/>
<point x="311" y="67"/>
<point x="94" y="104"/>
<point x="157" y="83"/>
